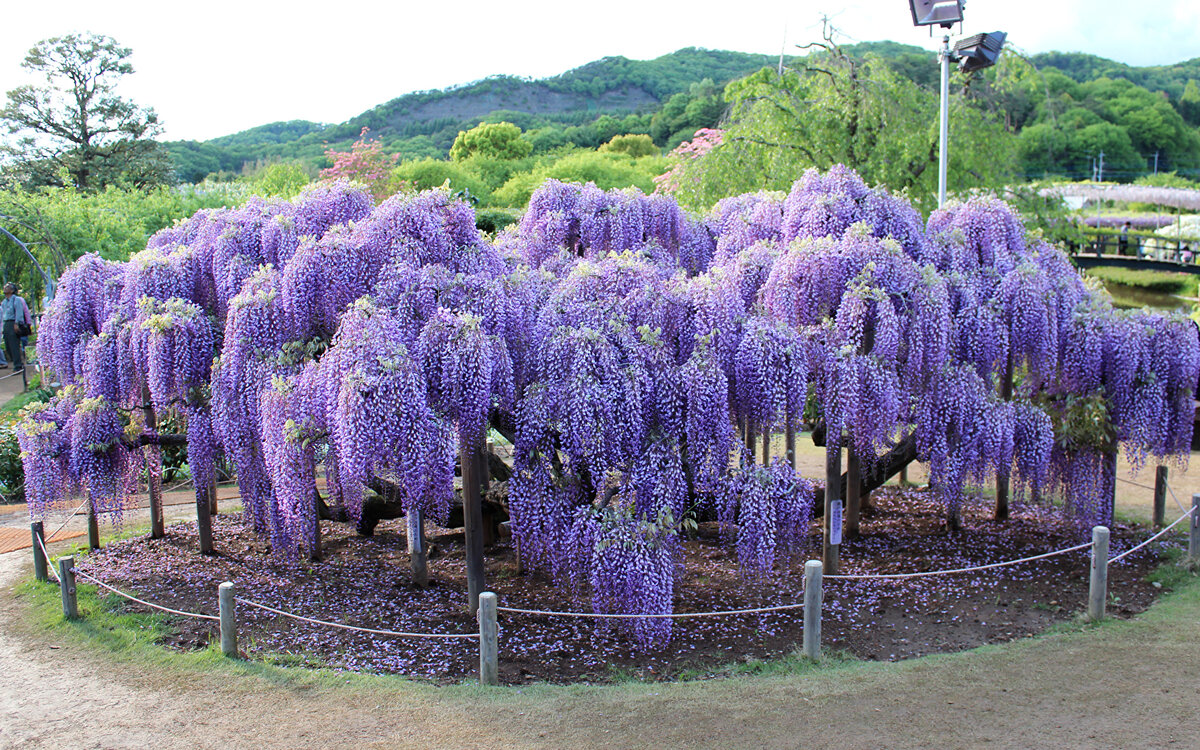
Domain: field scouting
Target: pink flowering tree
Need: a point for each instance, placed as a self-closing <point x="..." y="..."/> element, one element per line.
<point x="704" y="140"/>
<point x="364" y="163"/>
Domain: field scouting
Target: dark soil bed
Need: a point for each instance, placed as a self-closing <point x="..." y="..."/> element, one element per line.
<point x="366" y="582"/>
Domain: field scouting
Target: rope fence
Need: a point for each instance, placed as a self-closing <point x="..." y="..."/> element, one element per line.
<point x="488" y="608"/>
<point x="1131" y="550"/>
<point x="145" y="603"/>
<point x="343" y="626"/>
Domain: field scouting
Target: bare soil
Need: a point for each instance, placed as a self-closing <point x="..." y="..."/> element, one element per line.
<point x="366" y="582"/>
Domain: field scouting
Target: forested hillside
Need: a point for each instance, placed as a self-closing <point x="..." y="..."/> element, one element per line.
<point x="1065" y="109"/>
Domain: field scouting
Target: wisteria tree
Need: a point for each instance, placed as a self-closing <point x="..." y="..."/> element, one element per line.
<point x="350" y="360"/>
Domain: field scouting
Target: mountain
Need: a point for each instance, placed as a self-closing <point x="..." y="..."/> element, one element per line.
<point x="426" y="122"/>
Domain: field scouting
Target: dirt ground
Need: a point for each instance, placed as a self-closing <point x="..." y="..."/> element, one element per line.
<point x="1126" y="684"/>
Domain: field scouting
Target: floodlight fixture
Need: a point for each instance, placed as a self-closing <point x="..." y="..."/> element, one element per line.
<point x="979" y="51"/>
<point x="944" y="13"/>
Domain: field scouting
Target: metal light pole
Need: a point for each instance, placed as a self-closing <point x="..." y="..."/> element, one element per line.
<point x="944" y="129"/>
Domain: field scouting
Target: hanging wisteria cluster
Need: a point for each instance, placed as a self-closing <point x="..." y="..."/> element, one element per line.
<point x="632" y="353"/>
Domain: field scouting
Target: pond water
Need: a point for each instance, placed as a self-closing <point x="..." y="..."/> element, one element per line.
<point x="1131" y="296"/>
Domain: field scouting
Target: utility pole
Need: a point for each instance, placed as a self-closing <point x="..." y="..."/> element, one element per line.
<point x="1155" y="162"/>
<point x="944" y="121"/>
<point x="1101" y="177"/>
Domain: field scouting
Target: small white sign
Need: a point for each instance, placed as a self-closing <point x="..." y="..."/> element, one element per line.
<point x="835" y="523"/>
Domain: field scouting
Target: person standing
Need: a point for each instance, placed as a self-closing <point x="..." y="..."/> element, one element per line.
<point x="17" y="323"/>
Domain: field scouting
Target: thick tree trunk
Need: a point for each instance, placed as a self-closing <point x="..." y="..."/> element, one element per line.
<point x="417" y="556"/>
<point x="204" y="520"/>
<point x="766" y="447"/>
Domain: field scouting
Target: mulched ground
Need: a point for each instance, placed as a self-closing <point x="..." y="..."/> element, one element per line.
<point x="366" y="582"/>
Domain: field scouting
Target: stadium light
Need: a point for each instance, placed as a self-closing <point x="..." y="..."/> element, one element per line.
<point x="979" y="51"/>
<point x="944" y="13"/>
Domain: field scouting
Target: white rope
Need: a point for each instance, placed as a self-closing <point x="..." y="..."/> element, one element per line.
<point x="249" y="603"/>
<point x="46" y="554"/>
<point x="78" y="508"/>
<point x="1176" y="499"/>
<point x="664" y="616"/>
<point x="989" y="566"/>
<point x="1131" y="550"/>
<point x="152" y="605"/>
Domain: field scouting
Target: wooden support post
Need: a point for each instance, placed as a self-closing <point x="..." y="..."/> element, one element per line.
<point x="39" y="557"/>
<point x="93" y="524"/>
<point x="66" y="584"/>
<point x="1098" y="587"/>
<point x="1194" y="530"/>
<point x="833" y="505"/>
<point x="789" y="445"/>
<point x="153" y="456"/>
<point x="212" y="497"/>
<point x="748" y="434"/>
<point x="472" y="519"/>
<point x="903" y="476"/>
<point x="489" y="667"/>
<point x="853" y="492"/>
<point x="204" y="520"/>
<point x="766" y="448"/>
<point x="485" y="467"/>
<point x="228" y="613"/>
<point x="812" y="609"/>
<point x="1160" y="496"/>
<point x="1002" y="478"/>
<point x="417" y="559"/>
<point x="314" y="523"/>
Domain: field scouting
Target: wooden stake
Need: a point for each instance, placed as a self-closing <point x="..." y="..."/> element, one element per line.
<point x="93" y="524"/>
<point x="153" y="455"/>
<point x="1002" y="478"/>
<point x="472" y="519"/>
<point x="1160" y="496"/>
<point x="833" y="504"/>
<point x="228" y="613"/>
<point x="789" y="445"/>
<point x="1194" y="529"/>
<point x="39" y="557"/>
<point x="489" y="668"/>
<point x="66" y="584"/>
<point x="766" y="448"/>
<point x="314" y="528"/>
<point x="417" y="558"/>
<point x="204" y="521"/>
<point x="853" y="491"/>
<point x="1098" y="586"/>
<point x="812" y="609"/>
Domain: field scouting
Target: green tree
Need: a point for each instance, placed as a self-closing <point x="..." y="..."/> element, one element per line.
<point x="76" y="123"/>
<point x="493" y="140"/>
<point x="1189" y="103"/>
<point x="838" y="109"/>
<point x="280" y="180"/>
<point x="631" y="145"/>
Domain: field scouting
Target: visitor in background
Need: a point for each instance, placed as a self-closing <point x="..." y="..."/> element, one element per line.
<point x="17" y="323"/>
<point x="1123" y="240"/>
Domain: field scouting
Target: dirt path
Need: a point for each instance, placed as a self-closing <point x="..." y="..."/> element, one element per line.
<point x="1128" y="684"/>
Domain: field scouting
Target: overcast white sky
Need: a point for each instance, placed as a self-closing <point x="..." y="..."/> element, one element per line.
<point x="214" y="67"/>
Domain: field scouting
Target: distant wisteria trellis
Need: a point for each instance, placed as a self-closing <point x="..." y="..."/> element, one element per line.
<point x="626" y="347"/>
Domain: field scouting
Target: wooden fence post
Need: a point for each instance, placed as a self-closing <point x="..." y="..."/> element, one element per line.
<point x="66" y="584"/>
<point x="833" y="505"/>
<point x="469" y="448"/>
<point x="39" y="557"/>
<point x="93" y="524"/>
<point x="812" y="609"/>
<point x="228" y="613"/>
<point x="489" y="667"/>
<point x="1160" y="496"/>
<point x="417" y="560"/>
<point x="1098" y="587"/>
<point x="1194" y="529"/>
